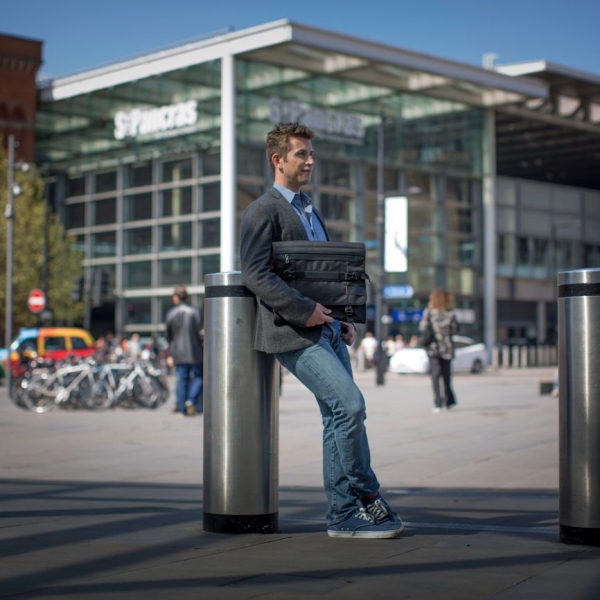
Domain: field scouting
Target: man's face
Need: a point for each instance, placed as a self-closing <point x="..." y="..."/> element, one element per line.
<point x="295" y="168"/>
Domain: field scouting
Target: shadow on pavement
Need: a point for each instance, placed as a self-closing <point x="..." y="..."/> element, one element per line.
<point x="55" y="532"/>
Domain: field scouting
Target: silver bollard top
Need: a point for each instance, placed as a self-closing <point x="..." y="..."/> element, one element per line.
<point x="579" y="276"/>
<point x="226" y="278"/>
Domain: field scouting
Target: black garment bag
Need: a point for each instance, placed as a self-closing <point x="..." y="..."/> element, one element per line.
<point x="331" y="273"/>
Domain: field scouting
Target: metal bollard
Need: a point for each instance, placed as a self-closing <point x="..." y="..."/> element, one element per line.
<point x="241" y="414"/>
<point x="579" y="401"/>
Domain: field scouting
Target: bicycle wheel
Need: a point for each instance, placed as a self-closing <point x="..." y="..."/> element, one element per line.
<point x="39" y="394"/>
<point x="146" y="393"/>
<point x="96" y="394"/>
<point x="16" y="393"/>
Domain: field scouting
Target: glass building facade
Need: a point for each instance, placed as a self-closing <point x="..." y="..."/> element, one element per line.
<point x="140" y="173"/>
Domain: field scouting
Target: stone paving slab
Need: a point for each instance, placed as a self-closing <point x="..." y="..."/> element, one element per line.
<point x="109" y="505"/>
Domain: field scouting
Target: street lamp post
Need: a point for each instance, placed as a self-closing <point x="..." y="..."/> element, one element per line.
<point x="9" y="213"/>
<point x="379" y="299"/>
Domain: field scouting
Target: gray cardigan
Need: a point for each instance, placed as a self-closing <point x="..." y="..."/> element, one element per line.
<point x="268" y="219"/>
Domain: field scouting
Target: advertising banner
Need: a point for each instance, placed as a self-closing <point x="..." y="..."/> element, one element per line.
<point x="396" y="235"/>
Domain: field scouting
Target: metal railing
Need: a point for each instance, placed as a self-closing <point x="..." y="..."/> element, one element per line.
<point x="518" y="357"/>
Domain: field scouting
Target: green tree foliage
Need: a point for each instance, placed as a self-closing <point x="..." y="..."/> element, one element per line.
<point x="28" y="256"/>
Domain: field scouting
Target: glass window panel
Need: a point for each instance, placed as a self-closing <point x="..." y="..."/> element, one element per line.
<point x="424" y="248"/>
<point x="335" y="173"/>
<point x="460" y="281"/>
<point x="177" y="202"/>
<point x="79" y="243"/>
<point x="176" y="236"/>
<point x="591" y="256"/>
<point x="211" y="164"/>
<point x="457" y="190"/>
<point x="139" y="174"/>
<point x="138" y="207"/>
<point x="337" y="234"/>
<point x="76" y="186"/>
<point x="540" y="252"/>
<point x="251" y="161"/>
<point x="210" y="233"/>
<point x="460" y="252"/>
<point x="105" y="182"/>
<point x="105" y="211"/>
<point x="175" y="271"/>
<point x="565" y="254"/>
<point x="177" y="170"/>
<point x="138" y="241"/>
<point x="506" y="249"/>
<point x="506" y="219"/>
<point x="335" y="208"/>
<point x="422" y="279"/>
<point x="246" y="194"/>
<point x="139" y="310"/>
<point x="211" y="197"/>
<point x="208" y="264"/>
<point x="138" y="274"/>
<point x="423" y="216"/>
<point x="75" y="215"/>
<point x="459" y="220"/>
<point x="104" y="244"/>
<point x="523" y="251"/>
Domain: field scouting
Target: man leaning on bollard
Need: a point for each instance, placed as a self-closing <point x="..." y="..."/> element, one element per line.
<point x="183" y="329"/>
<point x="309" y="343"/>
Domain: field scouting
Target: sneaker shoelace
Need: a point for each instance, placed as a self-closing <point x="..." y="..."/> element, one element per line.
<point x="364" y="515"/>
<point x="378" y="510"/>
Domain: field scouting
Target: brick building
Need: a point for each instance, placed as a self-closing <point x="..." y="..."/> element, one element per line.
<point x="20" y="60"/>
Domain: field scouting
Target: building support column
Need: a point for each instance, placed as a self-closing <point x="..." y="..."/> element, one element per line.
<point x="489" y="229"/>
<point x="228" y="164"/>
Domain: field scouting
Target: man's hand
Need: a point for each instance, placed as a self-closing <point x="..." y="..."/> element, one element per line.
<point x="319" y="316"/>
<point x="348" y="333"/>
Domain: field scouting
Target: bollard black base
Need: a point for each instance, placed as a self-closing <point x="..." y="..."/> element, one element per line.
<point x="580" y="535"/>
<point x="241" y="523"/>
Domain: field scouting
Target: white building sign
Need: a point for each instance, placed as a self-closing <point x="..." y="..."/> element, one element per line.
<point x="173" y="119"/>
<point x="396" y="235"/>
<point x="329" y="124"/>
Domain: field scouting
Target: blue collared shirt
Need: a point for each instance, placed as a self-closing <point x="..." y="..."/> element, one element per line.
<point x="312" y="225"/>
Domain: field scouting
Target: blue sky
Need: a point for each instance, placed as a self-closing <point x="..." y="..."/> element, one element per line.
<point x="78" y="34"/>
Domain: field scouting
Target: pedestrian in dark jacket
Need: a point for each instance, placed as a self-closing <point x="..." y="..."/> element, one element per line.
<point x="184" y="334"/>
<point x="441" y="320"/>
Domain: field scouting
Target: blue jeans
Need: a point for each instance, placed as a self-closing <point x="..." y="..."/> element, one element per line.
<point x="325" y="370"/>
<point x="189" y="386"/>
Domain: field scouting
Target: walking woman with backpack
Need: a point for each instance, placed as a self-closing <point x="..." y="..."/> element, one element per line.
<point x="437" y="327"/>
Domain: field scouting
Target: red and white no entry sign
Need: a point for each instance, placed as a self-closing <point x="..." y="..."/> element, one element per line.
<point x="36" y="301"/>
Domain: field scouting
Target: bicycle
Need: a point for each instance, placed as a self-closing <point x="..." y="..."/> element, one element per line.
<point x="71" y="386"/>
<point x="132" y="385"/>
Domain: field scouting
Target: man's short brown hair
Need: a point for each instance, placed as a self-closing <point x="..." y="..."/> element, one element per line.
<point x="181" y="293"/>
<point x="278" y="139"/>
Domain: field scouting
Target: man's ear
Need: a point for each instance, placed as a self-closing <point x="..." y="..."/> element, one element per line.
<point x="276" y="159"/>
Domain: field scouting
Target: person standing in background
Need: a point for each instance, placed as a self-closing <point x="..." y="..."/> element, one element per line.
<point x="183" y="329"/>
<point x="440" y="319"/>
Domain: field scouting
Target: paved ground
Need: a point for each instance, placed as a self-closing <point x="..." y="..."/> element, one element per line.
<point x="109" y="505"/>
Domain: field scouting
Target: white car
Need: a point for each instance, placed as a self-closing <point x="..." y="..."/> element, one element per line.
<point x="469" y="355"/>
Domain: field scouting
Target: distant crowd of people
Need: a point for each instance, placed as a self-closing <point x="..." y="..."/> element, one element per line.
<point x="110" y="348"/>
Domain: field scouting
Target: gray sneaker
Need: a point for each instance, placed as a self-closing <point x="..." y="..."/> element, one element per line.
<point x="362" y="525"/>
<point x="190" y="409"/>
